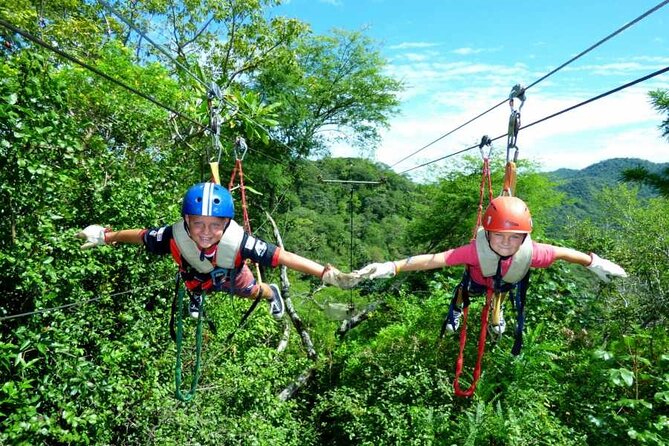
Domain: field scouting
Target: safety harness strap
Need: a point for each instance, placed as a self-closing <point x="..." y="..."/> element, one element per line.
<point x="481" y="348"/>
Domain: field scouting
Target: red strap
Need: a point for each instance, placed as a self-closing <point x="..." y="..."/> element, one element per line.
<point x="485" y="180"/>
<point x="245" y="212"/>
<point x="481" y="348"/>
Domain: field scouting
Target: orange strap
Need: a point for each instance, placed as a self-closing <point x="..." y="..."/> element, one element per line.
<point x="509" y="187"/>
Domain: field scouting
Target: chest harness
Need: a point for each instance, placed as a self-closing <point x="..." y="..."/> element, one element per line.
<point x="199" y="272"/>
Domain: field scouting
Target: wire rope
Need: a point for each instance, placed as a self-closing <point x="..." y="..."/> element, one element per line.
<point x="545" y="118"/>
<point x="578" y="56"/>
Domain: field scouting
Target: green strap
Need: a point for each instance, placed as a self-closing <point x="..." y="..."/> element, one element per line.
<point x="198" y="348"/>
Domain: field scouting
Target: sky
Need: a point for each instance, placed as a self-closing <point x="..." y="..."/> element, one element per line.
<point x="457" y="59"/>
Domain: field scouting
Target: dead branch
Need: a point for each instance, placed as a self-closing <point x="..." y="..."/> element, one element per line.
<point x="304" y="378"/>
<point x="353" y="322"/>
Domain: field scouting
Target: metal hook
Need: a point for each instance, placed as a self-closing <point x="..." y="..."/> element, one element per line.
<point x="240" y="145"/>
<point x="517" y="91"/>
<point x="485" y="141"/>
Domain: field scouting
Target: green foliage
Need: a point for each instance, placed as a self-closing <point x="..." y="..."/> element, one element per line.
<point x="582" y="186"/>
<point x="96" y="366"/>
<point x="660" y="99"/>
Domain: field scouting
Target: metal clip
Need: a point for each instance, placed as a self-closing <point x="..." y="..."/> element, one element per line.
<point x="485" y="141"/>
<point x="240" y="146"/>
<point x="517" y="91"/>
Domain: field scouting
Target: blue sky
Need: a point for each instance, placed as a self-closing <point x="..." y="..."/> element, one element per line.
<point x="459" y="58"/>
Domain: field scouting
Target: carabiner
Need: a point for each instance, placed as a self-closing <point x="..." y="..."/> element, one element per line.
<point x="485" y="141"/>
<point x="240" y="145"/>
<point x="517" y="91"/>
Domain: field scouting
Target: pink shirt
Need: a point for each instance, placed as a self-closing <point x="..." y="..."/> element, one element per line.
<point x="543" y="256"/>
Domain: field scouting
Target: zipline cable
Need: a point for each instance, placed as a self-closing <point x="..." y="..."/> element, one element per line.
<point x="154" y="101"/>
<point x="75" y="304"/>
<point x="579" y="55"/>
<point x="613" y="34"/>
<point x="148" y="39"/>
<point x="71" y="58"/>
<point x="615" y="90"/>
<point x="452" y="131"/>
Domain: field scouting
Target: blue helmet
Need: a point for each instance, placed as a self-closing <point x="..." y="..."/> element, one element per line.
<point x="208" y="199"/>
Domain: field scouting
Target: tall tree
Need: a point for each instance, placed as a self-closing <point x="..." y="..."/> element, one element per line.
<point x="331" y="89"/>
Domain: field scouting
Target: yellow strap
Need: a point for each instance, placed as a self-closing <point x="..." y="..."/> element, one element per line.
<point x="214" y="172"/>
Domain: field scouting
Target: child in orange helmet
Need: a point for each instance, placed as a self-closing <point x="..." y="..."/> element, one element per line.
<point x="500" y="255"/>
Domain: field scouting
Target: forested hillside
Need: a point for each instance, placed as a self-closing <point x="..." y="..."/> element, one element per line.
<point x="581" y="186"/>
<point x="86" y="355"/>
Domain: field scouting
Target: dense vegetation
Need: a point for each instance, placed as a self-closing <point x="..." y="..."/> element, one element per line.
<point x="93" y="362"/>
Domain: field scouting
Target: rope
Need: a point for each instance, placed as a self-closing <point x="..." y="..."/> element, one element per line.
<point x="581" y="54"/>
<point x="463" y="294"/>
<point x="615" y="90"/>
<point x="63" y="54"/>
<point x="180" y="395"/>
<point x="238" y="170"/>
<point x="485" y="180"/>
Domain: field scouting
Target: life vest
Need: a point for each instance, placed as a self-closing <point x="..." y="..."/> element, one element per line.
<point x="489" y="259"/>
<point x="227" y="252"/>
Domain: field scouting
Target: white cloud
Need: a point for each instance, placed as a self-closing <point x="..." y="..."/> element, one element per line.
<point x="466" y="51"/>
<point x="412" y="45"/>
<point x="443" y="94"/>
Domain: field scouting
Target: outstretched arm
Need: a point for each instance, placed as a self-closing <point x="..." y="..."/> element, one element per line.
<point x="604" y="269"/>
<point x="572" y="256"/>
<point x="96" y="235"/>
<point x="416" y="263"/>
<point x="328" y="274"/>
<point x="301" y="264"/>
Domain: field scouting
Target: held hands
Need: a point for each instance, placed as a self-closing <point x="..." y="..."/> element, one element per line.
<point x="332" y="276"/>
<point x="377" y="270"/>
<point x="94" y="236"/>
<point x="605" y="269"/>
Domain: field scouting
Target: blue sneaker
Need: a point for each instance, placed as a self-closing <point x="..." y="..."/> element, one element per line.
<point x="453" y="324"/>
<point x="276" y="305"/>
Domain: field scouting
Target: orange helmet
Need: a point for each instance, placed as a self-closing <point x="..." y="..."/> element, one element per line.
<point x="507" y="214"/>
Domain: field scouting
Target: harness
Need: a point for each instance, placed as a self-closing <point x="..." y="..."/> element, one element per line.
<point x="186" y="250"/>
<point x="489" y="260"/>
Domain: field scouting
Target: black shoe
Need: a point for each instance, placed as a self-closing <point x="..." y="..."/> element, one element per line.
<point x="453" y="325"/>
<point x="195" y="305"/>
<point x="276" y="305"/>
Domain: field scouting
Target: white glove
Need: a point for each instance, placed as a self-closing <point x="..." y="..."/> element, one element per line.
<point x="377" y="270"/>
<point x="332" y="276"/>
<point x="94" y="236"/>
<point x="604" y="268"/>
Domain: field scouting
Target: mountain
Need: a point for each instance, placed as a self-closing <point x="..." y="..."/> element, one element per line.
<point x="581" y="186"/>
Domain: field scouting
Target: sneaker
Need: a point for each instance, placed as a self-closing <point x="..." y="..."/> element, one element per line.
<point x="498" y="329"/>
<point x="195" y="305"/>
<point x="276" y="306"/>
<point x="453" y="324"/>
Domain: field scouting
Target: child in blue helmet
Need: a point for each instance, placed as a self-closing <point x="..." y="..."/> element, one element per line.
<point x="211" y="248"/>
